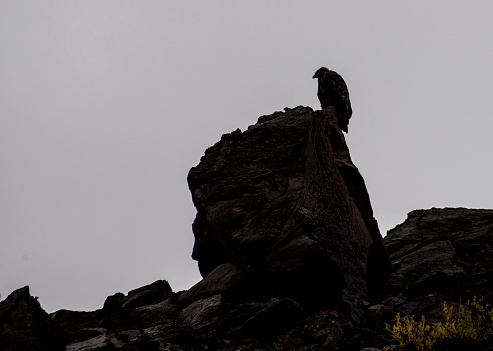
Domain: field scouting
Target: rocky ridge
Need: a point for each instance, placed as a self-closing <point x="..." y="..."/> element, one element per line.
<point x="291" y="256"/>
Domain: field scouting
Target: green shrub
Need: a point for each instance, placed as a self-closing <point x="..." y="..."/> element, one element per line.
<point x="472" y="330"/>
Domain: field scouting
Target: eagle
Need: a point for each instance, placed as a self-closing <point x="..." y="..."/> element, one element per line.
<point x="332" y="91"/>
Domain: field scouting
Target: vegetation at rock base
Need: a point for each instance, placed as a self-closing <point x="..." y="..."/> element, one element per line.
<point x="472" y="330"/>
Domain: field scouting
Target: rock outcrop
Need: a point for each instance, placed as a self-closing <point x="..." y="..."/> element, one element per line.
<point x="291" y="256"/>
<point x="24" y="325"/>
<point x="285" y="205"/>
<point x="440" y="255"/>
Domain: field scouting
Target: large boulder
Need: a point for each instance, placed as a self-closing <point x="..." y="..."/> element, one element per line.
<point x="284" y="203"/>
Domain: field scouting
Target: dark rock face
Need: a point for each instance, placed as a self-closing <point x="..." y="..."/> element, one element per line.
<point x="291" y="256"/>
<point x="24" y="325"/>
<point x="440" y="255"/>
<point x="283" y="202"/>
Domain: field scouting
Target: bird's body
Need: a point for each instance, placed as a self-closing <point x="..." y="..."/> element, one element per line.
<point x="332" y="91"/>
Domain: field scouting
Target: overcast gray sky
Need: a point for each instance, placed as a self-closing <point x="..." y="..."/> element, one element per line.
<point x="106" y="104"/>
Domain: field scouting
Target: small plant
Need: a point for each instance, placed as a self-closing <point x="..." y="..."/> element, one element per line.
<point x="472" y="330"/>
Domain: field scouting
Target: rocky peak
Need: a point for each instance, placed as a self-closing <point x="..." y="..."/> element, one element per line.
<point x="24" y="325"/>
<point x="284" y="203"/>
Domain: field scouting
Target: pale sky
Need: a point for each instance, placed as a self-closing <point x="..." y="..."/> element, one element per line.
<point x="106" y="104"/>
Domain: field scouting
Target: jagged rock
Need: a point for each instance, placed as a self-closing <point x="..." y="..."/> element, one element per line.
<point x="158" y="291"/>
<point x="150" y="314"/>
<point x="141" y="306"/>
<point x="440" y="255"/>
<point x="325" y="328"/>
<point x="71" y="322"/>
<point x="89" y="333"/>
<point x="199" y="313"/>
<point x="169" y="333"/>
<point x="146" y="295"/>
<point x="431" y="267"/>
<point x="99" y="342"/>
<point x="284" y="202"/>
<point x="276" y="316"/>
<point x="114" y="302"/>
<point x="226" y="279"/>
<point x="24" y="325"/>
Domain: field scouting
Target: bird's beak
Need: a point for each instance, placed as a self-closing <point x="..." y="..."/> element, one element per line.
<point x="313" y="77"/>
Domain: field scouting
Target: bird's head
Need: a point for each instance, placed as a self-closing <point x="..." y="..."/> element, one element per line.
<point x="320" y="72"/>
